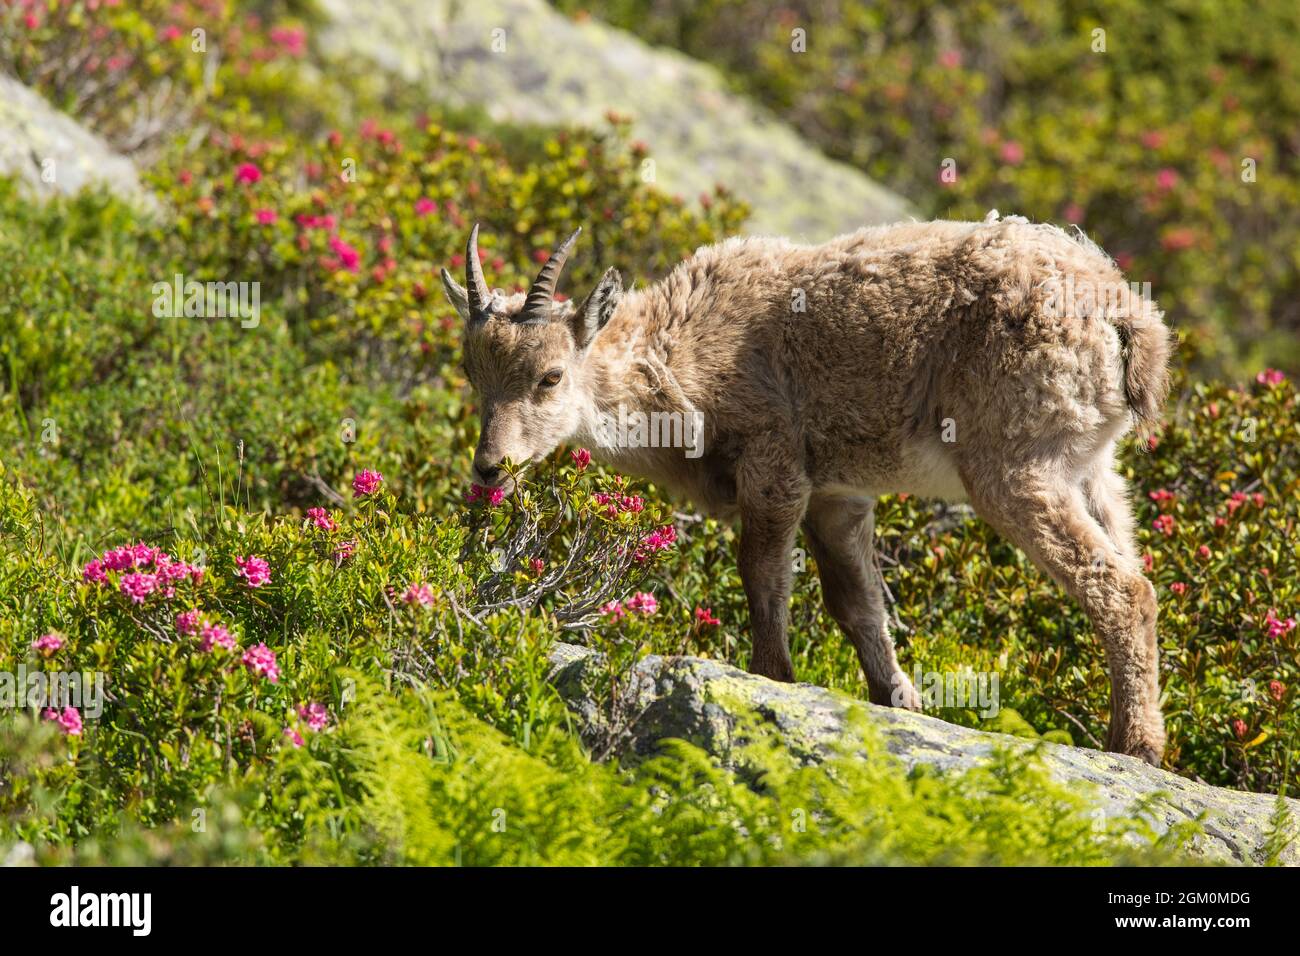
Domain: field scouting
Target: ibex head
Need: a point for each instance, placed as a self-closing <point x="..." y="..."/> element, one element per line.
<point x="525" y="356"/>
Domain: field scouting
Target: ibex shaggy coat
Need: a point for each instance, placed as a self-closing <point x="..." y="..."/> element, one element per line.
<point x="995" y="362"/>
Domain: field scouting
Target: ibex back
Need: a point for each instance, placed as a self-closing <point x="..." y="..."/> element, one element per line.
<point x="995" y="362"/>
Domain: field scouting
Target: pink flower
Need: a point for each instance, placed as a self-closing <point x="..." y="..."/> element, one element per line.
<point x="1204" y="552"/>
<point x="1166" y="179"/>
<point x="138" y="586"/>
<point x="119" y="559"/>
<point x="349" y="258"/>
<point x="93" y="572"/>
<point x="189" y="622"/>
<point x="1164" y="524"/>
<point x="174" y="572"/>
<point x="266" y="217"/>
<point x="146" y="555"/>
<point x="1277" y="627"/>
<point x="214" y="635"/>
<point x="254" y="570"/>
<point x="1161" y="496"/>
<point x="307" y="221"/>
<point x="424" y="206"/>
<point x="1012" y="153"/>
<point x="291" y="40"/>
<point x="950" y="59"/>
<point x="69" y="719"/>
<point x="492" y="496"/>
<point x="321" y="519"/>
<point x="294" y="737"/>
<point x="247" y="173"/>
<point x="260" y="659"/>
<point x="1270" y="377"/>
<point x="420" y="594"/>
<point x="537" y="564"/>
<point x="614" y="610"/>
<point x="643" y="602"/>
<point x="47" y="645"/>
<point x="169" y="33"/>
<point x="581" y="458"/>
<point x="1179" y="588"/>
<point x="1276" y="689"/>
<point x="1239" y="729"/>
<point x="660" y="539"/>
<point x="344" y="550"/>
<point x="366" y="482"/>
<point x="704" y="615"/>
<point x="316" y="716"/>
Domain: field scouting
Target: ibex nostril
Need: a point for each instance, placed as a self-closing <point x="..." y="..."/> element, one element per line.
<point x="489" y="473"/>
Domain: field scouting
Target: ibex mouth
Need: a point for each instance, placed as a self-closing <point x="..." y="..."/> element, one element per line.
<point x="500" y="478"/>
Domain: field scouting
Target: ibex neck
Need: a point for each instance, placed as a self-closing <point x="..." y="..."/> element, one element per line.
<point x="631" y="366"/>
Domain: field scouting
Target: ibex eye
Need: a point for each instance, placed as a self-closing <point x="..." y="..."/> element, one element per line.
<point x="551" y="378"/>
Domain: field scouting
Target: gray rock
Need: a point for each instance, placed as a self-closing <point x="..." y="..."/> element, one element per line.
<point x="34" y="133"/>
<point x="556" y="71"/>
<point x="708" y="703"/>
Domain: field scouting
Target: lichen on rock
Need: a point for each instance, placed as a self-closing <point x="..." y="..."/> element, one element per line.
<point x="721" y="709"/>
<point x="50" y="152"/>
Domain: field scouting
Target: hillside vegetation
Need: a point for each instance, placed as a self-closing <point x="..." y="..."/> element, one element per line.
<point x="319" y="645"/>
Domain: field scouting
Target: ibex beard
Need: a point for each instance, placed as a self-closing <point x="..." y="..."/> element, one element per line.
<point x="935" y="359"/>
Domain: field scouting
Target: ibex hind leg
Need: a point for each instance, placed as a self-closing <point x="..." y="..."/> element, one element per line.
<point x="1051" y="521"/>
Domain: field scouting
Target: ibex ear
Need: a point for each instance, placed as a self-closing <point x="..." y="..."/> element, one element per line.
<point x="456" y="295"/>
<point x="600" y="305"/>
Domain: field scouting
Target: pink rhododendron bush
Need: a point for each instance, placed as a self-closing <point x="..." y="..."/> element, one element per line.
<point x="303" y="636"/>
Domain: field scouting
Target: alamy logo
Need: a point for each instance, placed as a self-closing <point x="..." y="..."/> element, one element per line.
<point x="1120" y="300"/>
<point x="635" y="429"/>
<point x="976" y="690"/>
<point x="133" y="910"/>
<point x="57" y="689"/>
<point x="191" y="299"/>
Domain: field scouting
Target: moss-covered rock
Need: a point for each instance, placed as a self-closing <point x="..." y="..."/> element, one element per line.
<point x="524" y="63"/>
<point x="718" y="708"/>
<point x="50" y="152"/>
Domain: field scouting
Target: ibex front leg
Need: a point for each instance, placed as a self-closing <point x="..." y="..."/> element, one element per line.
<point x="772" y="504"/>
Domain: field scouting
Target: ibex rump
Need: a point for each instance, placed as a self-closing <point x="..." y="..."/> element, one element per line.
<point x="939" y="359"/>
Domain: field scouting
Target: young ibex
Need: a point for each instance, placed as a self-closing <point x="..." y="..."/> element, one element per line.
<point x="995" y="362"/>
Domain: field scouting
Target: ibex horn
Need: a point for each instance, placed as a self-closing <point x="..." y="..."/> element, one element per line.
<point x="538" y="304"/>
<point x="476" y="289"/>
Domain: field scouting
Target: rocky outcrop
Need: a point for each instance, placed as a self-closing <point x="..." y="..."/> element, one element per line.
<point x="522" y="61"/>
<point x="711" y="704"/>
<point x="50" y="152"/>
